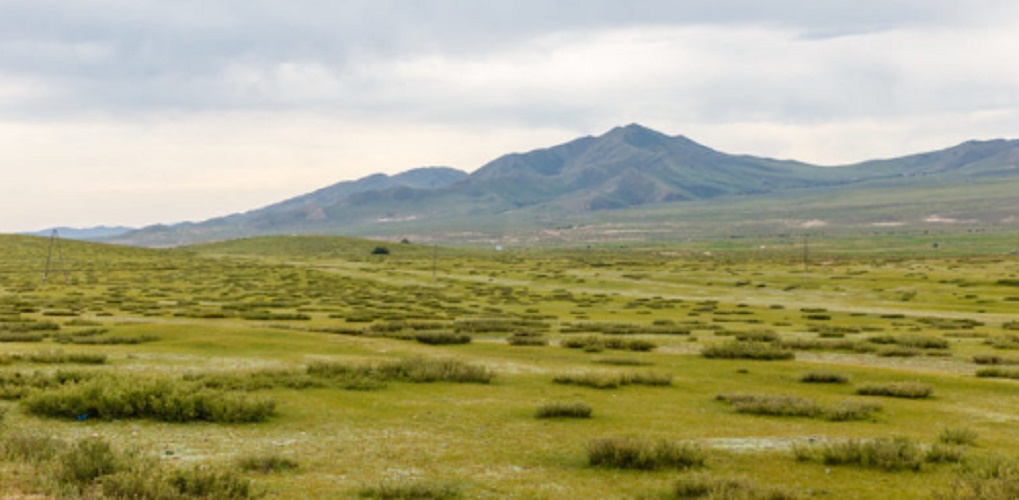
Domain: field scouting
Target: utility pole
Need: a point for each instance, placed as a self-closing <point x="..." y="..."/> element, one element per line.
<point x="55" y="241"/>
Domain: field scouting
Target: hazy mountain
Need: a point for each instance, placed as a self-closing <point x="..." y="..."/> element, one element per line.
<point x="90" y="233"/>
<point x="626" y="167"/>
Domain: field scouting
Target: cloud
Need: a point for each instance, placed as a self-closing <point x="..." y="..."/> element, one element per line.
<point x="164" y="111"/>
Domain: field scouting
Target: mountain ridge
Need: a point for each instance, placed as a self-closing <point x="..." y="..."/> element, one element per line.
<point x="629" y="166"/>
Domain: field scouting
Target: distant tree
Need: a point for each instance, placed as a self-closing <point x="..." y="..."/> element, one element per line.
<point x="405" y="241"/>
<point x="380" y="251"/>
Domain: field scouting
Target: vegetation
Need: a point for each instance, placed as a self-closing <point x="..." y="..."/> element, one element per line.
<point x="631" y="453"/>
<point x="562" y="409"/>
<point x="747" y="350"/>
<point x="213" y="370"/>
<point x="910" y="390"/>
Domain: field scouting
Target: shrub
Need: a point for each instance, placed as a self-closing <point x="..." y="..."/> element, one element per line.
<point x="380" y="251"/>
<point x="771" y="404"/>
<point x="958" y="436"/>
<point x="411" y="490"/>
<point x="994" y="359"/>
<point x="747" y="350"/>
<point x="623" y="361"/>
<point x="705" y="486"/>
<point x="899" y="352"/>
<point x="824" y="377"/>
<point x="59" y="357"/>
<point x="795" y="406"/>
<point x="628" y="453"/>
<point x="593" y="380"/>
<point x="851" y="410"/>
<point x="527" y="339"/>
<point x="435" y="370"/>
<point x="266" y="463"/>
<point x="1012" y="373"/>
<point x="990" y="478"/>
<point x="594" y="343"/>
<point x="757" y="336"/>
<point x="114" y="340"/>
<point x="942" y="453"/>
<point x="28" y="446"/>
<point x="1008" y="341"/>
<point x="909" y="390"/>
<point x="87" y="460"/>
<point x="916" y="341"/>
<point x="442" y="338"/>
<point x="890" y="454"/>
<point x="613" y="380"/>
<point x="817" y="344"/>
<point x="21" y="337"/>
<point x="107" y="397"/>
<point x="202" y="482"/>
<point x="645" y="378"/>
<point x="560" y="409"/>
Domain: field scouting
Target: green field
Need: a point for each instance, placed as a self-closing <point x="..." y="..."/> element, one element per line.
<point x="314" y="367"/>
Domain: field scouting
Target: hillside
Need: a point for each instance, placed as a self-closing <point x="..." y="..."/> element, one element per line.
<point x="624" y="171"/>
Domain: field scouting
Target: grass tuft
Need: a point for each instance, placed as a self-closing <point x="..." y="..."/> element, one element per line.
<point x="629" y="453"/>
<point x="824" y="377"/>
<point x="908" y="390"/>
<point x="562" y="409"/>
<point x="747" y="350"/>
<point x="411" y="490"/>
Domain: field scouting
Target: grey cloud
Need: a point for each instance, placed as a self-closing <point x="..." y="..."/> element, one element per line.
<point x="140" y="55"/>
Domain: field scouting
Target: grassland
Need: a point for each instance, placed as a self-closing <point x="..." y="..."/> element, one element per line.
<point x="296" y="368"/>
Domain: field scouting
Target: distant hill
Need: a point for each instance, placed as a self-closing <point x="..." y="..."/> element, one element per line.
<point x="90" y="233"/>
<point x="627" y="168"/>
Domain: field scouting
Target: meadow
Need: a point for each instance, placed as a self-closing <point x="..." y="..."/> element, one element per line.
<point x="321" y="367"/>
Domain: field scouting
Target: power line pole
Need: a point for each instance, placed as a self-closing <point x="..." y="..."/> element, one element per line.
<point x="55" y="241"/>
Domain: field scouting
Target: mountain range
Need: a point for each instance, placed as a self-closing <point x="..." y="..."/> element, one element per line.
<point x="615" y="176"/>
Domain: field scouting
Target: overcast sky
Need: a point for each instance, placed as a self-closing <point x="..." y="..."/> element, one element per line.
<point x="144" y="111"/>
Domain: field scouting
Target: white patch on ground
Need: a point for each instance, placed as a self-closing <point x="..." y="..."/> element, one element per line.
<point x="748" y="445"/>
<point x="937" y="219"/>
<point x="886" y="224"/>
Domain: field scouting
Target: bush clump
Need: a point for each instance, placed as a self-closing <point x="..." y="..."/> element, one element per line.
<point x="702" y="485"/>
<point x="28" y="446"/>
<point x="756" y="336"/>
<point x="562" y="409"/>
<point x="526" y="338"/>
<point x="908" y="390"/>
<point x="424" y="370"/>
<point x="629" y="453"/>
<point x="780" y="405"/>
<point x="442" y="338"/>
<point x="824" y="377"/>
<point x="963" y="436"/>
<point x="107" y="397"/>
<point x="1010" y="373"/>
<point x="747" y="350"/>
<point x="989" y="478"/>
<point x="613" y="380"/>
<point x="411" y="490"/>
<point x="889" y="454"/>
<point x="994" y="359"/>
<point x="594" y="343"/>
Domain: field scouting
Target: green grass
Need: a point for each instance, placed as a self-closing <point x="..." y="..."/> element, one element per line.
<point x="363" y="407"/>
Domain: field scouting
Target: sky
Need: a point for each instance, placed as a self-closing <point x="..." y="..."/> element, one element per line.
<point x="136" y="112"/>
